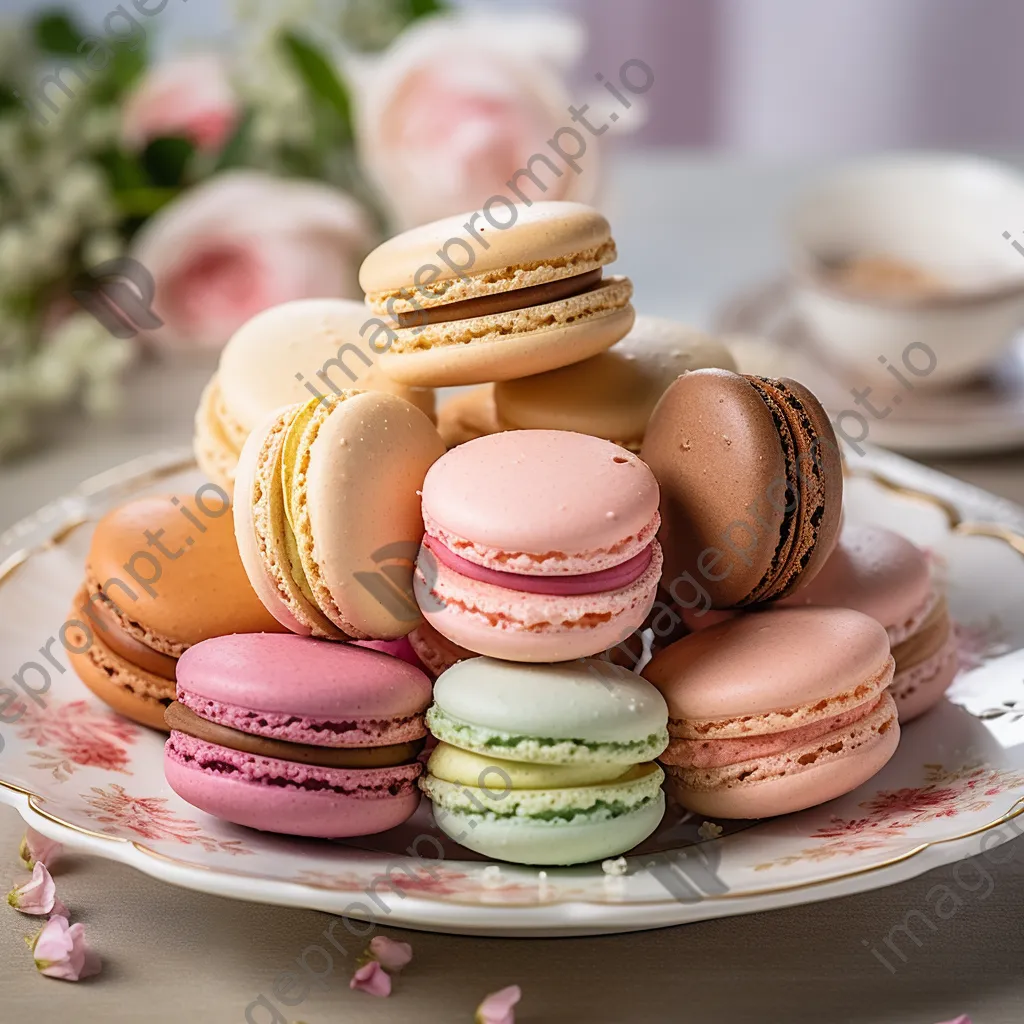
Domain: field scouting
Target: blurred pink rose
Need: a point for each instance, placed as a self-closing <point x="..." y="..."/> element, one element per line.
<point x="245" y="241"/>
<point x="187" y="96"/>
<point x="460" y="103"/>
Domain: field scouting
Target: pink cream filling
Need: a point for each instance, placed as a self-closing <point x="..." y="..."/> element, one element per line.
<point x="720" y="753"/>
<point x="615" y="578"/>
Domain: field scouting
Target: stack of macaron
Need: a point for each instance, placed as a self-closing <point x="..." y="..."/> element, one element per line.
<point x="540" y="553"/>
<point x="525" y="313"/>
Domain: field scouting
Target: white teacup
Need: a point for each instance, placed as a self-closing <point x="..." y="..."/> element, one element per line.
<point x="955" y="297"/>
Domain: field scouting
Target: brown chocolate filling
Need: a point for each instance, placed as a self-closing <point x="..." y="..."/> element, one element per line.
<point x="112" y="634"/>
<point x="504" y="302"/>
<point x="182" y="719"/>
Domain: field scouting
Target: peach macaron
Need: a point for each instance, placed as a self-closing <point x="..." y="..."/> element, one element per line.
<point x="776" y="712"/>
<point x="540" y="545"/>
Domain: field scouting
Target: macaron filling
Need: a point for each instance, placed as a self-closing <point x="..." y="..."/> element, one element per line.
<point x="113" y="633"/>
<point x="719" y="753"/>
<point x="503" y="302"/>
<point x="632" y="790"/>
<point x="614" y="578"/>
<point x="181" y="719"/>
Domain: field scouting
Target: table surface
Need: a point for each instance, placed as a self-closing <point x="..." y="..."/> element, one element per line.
<point x="691" y="232"/>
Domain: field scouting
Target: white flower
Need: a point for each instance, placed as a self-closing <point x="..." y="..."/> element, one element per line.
<point x="101" y="246"/>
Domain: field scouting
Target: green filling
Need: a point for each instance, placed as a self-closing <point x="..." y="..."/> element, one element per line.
<point x="476" y="737"/>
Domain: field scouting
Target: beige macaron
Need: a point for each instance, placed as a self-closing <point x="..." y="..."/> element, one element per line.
<point x="613" y="394"/>
<point x="497" y="294"/>
<point x="468" y="415"/>
<point x="287" y="354"/>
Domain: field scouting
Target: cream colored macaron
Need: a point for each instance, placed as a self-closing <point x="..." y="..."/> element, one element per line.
<point x="327" y="513"/>
<point x="281" y="356"/>
<point x="504" y="292"/>
<point x="613" y="394"/>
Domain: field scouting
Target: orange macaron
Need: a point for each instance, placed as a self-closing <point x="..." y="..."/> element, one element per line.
<point x="162" y="574"/>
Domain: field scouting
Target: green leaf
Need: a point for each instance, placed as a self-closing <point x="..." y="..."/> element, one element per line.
<point x="123" y="170"/>
<point x="165" y="160"/>
<point x="120" y="74"/>
<point x="56" y="32"/>
<point x="237" y="147"/>
<point x="320" y="77"/>
<point x="424" y="8"/>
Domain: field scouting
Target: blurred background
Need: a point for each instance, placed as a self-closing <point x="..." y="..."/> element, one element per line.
<point x="246" y="152"/>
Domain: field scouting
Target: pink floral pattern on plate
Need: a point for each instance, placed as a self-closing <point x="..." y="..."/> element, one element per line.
<point x="73" y="734"/>
<point x="892" y="814"/>
<point x="148" y="817"/>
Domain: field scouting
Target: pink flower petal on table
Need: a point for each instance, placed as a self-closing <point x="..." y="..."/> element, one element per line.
<point x="962" y="1019"/>
<point x="372" y="979"/>
<point x="497" y="1008"/>
<point x="38" y="895"/>
<point x="60" y="951"/>
<point x="391" y="955"/>
<point x="36" y="848"/>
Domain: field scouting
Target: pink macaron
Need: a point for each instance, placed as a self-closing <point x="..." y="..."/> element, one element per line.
<point x="882" y="574"/>
<point x="777" y="711"/>
<point x="299" y="736"/>
<point x="540" y="545"/>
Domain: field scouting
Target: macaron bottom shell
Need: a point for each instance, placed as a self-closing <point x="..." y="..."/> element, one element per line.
<point x="555" y="843"/>
<point x="287" y="798"/>
<point x="518" y="626"/>
<point x="131" y="691"/>
<point x="829" y="767"/>
<point x="920" y="687"/>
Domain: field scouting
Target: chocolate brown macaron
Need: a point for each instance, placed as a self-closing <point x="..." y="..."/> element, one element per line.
<point x="751" y="487"/>
<point x="162" y="574"/>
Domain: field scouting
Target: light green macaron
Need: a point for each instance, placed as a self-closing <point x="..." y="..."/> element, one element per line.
<point x="546" y="764"/>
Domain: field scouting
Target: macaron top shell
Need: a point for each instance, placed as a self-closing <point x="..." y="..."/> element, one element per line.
<point x="771" y="661"/>
<point x="201" y="592"/>
<point x="551" y="495"/>
<point x="613" y="394"/>
<point x="300" y="676"/>
<point x="872" y="570"/>
<point x="543" y="235"/>
<point x="366" y="465"/>
<point x="259" y="364"/>
<point x="587" y="700"/>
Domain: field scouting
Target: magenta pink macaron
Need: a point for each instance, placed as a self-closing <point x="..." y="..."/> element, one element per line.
<point x="540" y="545"/>
<point x="299" y="736"/>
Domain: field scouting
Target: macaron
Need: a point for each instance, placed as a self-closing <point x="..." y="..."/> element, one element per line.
<point x="282" y="356"/>
<point x="298" y="736"/>
<point x="540" y="545"/>
<point x="497" y="294"/>
<point x="327" y="513"/>
<point x="882" y="574"/>
<point x="751" y="487"/>
<point x="468" y="415"/>
<point x="546" y="764"/>
<point x="611" y="395"/>
<point x="436" y="652"/>
<point x="776" y="712"/>
<point x="162" y="574"/>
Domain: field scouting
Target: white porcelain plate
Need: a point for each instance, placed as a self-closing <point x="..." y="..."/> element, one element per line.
<point x="82" y="775"/>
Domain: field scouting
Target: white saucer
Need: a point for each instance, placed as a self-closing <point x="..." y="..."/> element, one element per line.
<point x="767" y="337"/>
